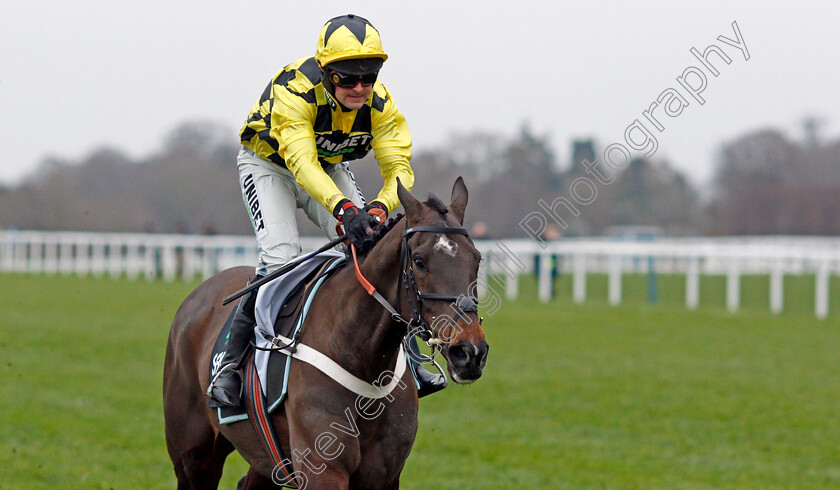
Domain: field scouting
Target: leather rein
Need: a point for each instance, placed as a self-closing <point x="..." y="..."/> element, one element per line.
<point x="417" y="325"/>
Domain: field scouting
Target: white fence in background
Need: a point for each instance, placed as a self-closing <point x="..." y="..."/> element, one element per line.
<point x="171" y="257"/>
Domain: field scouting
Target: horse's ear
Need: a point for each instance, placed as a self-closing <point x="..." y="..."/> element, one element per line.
<point x="459" y="199"/>
<point x="412" y="206"/>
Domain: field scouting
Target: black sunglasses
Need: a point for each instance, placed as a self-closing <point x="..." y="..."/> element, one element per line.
<point x="345" y="80"/>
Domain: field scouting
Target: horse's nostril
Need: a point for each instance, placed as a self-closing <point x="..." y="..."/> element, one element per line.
<point x="483" y="349"/>
<point x="458" y="354"/>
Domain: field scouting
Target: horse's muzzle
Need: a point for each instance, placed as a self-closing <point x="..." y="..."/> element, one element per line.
<point x="466" y="360"/>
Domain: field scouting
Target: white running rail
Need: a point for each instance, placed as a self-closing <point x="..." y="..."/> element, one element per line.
<point x="170" y="257"/>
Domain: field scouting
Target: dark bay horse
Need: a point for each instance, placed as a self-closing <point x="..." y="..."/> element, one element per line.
<point x="419" y="265"/>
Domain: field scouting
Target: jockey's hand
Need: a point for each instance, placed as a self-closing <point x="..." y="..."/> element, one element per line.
<point x="357" y="224"/>
<point x="377" y="205"/>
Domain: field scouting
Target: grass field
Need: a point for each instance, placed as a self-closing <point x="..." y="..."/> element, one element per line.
<point x="592" y="396"/>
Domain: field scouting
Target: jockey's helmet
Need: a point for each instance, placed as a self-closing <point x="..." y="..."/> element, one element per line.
<point x="348" y="37"/>
<point x="349" y="49"/>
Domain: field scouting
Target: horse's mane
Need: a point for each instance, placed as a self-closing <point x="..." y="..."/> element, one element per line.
<point x="384" y="228"/>
<point x="433" y="202"/>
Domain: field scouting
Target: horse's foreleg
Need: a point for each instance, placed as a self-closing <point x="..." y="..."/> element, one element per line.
<point x="304" y="480"/>
<point x="197" y="451"/>
<point x="198" y="457"/>
<point x="255" y="481"/>
<point x="328" y="478"/>
<point x="394" y="485"/>
<point x="200" y="466"/>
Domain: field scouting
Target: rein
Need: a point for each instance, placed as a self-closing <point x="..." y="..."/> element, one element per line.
<point x="414" y="296"/>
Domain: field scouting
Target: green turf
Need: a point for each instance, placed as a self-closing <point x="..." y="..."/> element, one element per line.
<point x="574" y="396"/>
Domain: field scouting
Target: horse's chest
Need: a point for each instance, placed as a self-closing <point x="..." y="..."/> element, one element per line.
<point x="384" y="453"/>
<point x="369" y="440"/>
<point x="343" y="434"/>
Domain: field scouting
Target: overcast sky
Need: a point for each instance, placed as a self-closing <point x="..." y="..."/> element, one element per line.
<point x="76" y="76"/>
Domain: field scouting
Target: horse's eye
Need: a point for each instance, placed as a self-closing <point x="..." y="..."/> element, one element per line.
<point x="421" y="266"/>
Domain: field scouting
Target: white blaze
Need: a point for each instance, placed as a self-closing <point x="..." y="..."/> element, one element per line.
<point x="446" y="245"/>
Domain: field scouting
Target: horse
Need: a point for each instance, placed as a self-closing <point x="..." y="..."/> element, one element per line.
<point x="424" y="266"/>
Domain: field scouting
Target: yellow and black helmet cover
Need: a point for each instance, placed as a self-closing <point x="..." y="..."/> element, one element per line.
<point x="348" y="37"/>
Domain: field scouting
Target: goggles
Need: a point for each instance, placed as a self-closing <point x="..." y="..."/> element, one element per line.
<point x="346" y="80"/>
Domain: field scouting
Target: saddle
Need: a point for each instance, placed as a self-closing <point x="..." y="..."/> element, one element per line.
<point x="280" y="310"/>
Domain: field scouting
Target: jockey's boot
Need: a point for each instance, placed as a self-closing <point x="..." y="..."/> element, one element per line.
<point x="427" y="383"/>
<point x="226" y="387"/>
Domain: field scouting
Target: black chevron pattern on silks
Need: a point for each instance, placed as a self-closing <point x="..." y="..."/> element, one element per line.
<point x="355" y="24"/>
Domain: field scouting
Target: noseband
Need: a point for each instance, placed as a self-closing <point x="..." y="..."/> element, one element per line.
<point x="463" y="304"/>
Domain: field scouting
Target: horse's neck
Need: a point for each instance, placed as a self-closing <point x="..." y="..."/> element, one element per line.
<point x="369" y="337"/>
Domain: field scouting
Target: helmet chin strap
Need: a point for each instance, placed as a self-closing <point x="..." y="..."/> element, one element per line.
<point x="329" y="88"/>
<point x="328" y="85"/>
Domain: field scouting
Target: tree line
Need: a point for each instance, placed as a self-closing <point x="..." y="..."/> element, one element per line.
<point x="764" y="183"/>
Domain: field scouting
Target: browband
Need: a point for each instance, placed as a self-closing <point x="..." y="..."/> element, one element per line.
<point x="436" y="229"/>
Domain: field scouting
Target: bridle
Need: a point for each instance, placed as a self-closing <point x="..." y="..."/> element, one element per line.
<point x="417" y="325"/>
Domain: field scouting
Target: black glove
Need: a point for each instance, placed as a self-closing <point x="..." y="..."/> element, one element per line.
<point x="377" y="205"/>
<point x="357" y="224"/>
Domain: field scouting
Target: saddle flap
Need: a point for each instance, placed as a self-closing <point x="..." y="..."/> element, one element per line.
<point x="285" y="321"/>
<point x="283" y="302"/>
<point x="273" y="296"/>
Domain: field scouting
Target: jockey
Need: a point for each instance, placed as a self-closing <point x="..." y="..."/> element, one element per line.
<point x="316" y="115"/>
